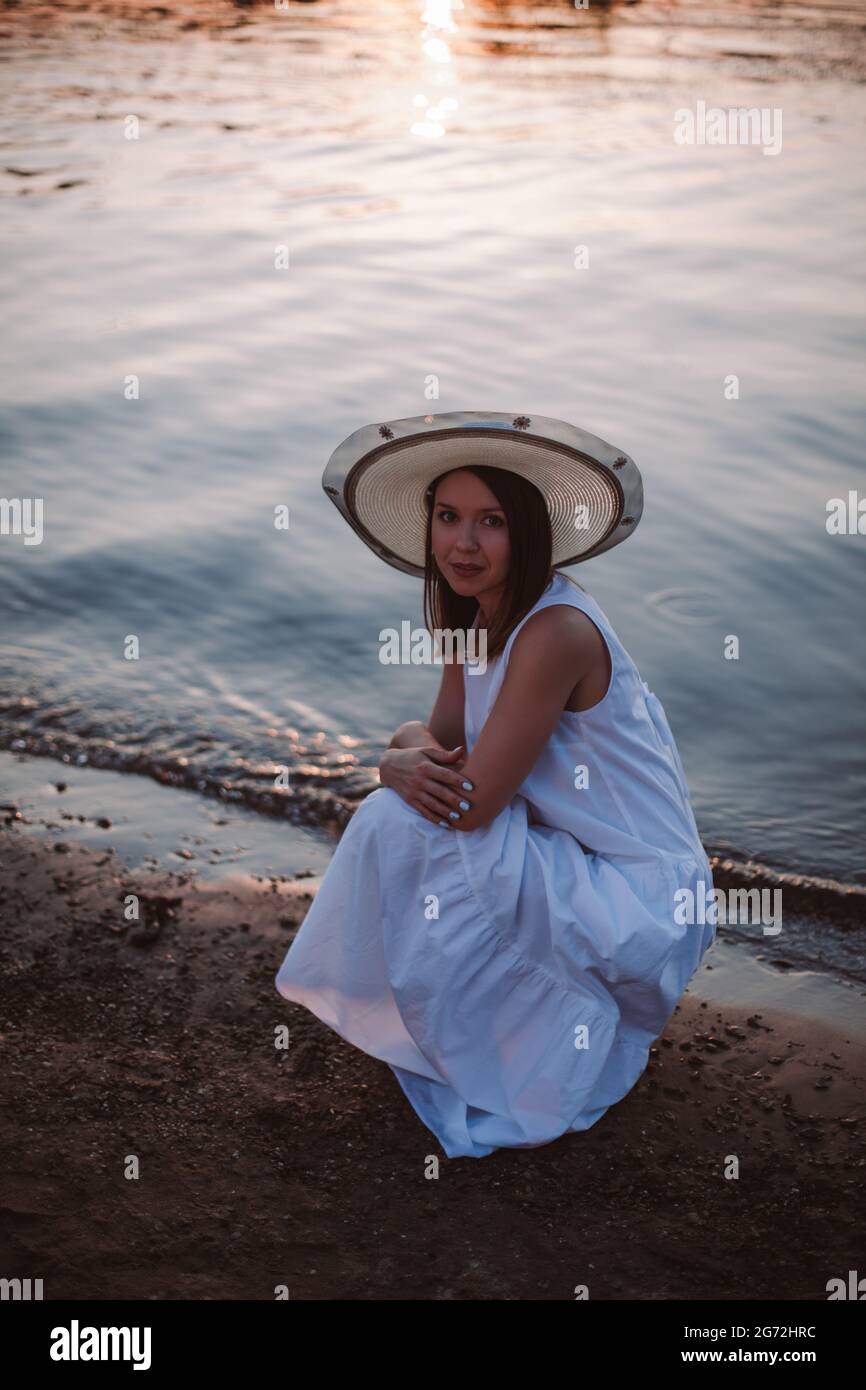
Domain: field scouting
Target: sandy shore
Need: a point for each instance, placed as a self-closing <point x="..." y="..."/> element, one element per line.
<point x="306" y="1167"/>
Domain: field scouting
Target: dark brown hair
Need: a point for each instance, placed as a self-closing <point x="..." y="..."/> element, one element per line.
<point x="530" y="568"/>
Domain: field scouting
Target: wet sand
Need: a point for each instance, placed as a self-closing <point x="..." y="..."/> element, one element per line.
<point x="306" y="1167"/>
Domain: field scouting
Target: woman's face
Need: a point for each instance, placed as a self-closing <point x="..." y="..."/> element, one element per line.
<point x="469" y="530"/>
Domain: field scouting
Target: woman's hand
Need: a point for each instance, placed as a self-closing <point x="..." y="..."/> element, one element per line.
<point x="428" y="779"/>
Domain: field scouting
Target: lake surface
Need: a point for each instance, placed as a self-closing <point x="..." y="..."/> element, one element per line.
<point x="430" y="186"/>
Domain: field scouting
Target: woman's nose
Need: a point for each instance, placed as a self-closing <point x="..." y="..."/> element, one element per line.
<point x="467" y="540"/>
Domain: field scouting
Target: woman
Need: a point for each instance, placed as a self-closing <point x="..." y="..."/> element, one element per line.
<point x="500" y="919"/>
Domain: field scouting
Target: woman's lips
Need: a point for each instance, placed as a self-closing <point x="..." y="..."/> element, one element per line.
<point x="467" y="569"/>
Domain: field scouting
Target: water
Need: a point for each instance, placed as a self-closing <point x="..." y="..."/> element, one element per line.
<point x="423" y="246"/>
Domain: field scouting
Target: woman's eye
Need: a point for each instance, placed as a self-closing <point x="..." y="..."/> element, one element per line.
<point x="447" y="515"/>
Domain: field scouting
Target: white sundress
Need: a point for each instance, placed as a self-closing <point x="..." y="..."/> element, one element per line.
<point x="515" y="976"/>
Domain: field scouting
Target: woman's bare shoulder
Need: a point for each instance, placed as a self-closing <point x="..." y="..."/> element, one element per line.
<point x="560" y="625"/>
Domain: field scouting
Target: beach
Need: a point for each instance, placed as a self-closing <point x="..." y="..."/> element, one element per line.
<point x="305" y="1166"/>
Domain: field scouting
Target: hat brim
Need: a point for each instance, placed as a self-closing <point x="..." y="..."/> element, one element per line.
<point x="378" y="476"/>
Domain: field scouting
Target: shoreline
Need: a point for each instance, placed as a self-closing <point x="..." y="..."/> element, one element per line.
<point x="315" y="819"/>
<point x="306" y="1166"/>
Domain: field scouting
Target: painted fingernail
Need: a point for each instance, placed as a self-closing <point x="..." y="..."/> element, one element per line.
<point x="445" y="823"/>
<point x="468" y="787"/>
<point x="455" y="815"/>
<point x="464" y="805"/>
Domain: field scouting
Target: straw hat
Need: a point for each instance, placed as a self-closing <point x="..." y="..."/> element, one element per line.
<point x="378" y="476"/>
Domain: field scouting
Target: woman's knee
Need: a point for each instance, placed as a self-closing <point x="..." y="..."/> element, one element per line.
<point x="389" y="808"/>
<point x="384" y="803"/>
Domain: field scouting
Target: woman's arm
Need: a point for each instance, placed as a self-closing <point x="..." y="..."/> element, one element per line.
<point x="445" y="728"/>
<point x="446" y="720"/>
<point x="553" y="651"/>
<point x="413" y="734"/>
<point x="430" y="779"/>
<point x="426" y="775"/>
